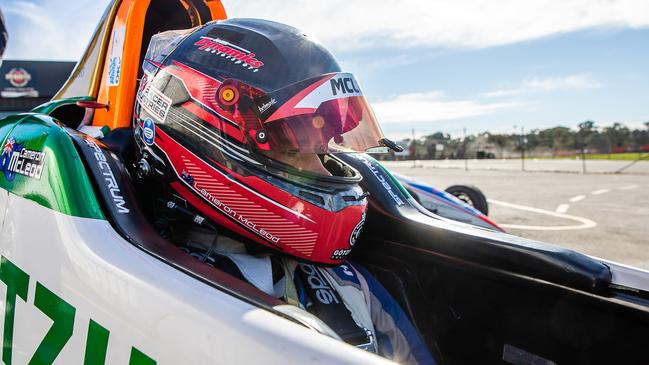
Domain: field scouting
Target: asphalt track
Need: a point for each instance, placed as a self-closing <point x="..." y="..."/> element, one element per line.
<point x="604" y="215"/>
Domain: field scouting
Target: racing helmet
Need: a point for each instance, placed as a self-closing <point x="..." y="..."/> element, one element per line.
<point x="243" y="119"/>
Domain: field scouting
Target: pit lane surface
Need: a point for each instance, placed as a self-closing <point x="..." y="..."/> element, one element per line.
<point x="602" y="215"/>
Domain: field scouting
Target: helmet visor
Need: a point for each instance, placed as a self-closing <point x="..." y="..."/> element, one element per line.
<point x="323" y="115"/>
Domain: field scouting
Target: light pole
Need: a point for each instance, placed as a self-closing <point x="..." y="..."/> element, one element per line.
<point x="466" y="160"/>
<point x="523" y="143"/>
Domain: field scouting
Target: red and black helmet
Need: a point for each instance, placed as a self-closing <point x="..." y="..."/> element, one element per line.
<point x="243" y="119"/>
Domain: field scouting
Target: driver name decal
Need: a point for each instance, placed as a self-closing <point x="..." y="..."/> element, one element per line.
<point x="227" y="50"/>
<point x="16" y="159"/>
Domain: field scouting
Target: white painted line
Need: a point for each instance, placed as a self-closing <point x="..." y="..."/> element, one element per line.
<point x="577" y="198"/>
<point x="584" y="222"/>
<point x="629" y="187"/>
<point x="563" y="208"/>
<point x="601" y="191"/>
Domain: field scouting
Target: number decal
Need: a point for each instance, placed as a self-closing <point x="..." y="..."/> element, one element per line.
<point x="139" y="358"/>
<point x="62" y="314"/>
<point x="17" y="282"/>
<point x="96" y="345"/>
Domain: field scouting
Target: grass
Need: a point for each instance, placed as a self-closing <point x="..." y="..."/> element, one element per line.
<point x="630" y="156"/>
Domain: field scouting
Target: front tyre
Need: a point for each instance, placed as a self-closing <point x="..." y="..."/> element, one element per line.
<point x="470" y="195"/>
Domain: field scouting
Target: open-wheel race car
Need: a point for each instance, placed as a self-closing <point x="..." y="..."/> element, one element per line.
<point x="88" y="279"/>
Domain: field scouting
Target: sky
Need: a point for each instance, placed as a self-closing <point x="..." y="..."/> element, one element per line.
<point x="433" y="65"/>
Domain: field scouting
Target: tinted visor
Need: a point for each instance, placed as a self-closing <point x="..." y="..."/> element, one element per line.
<point x="326" y="114"/>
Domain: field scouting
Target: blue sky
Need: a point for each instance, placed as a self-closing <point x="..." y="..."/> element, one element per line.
<point x="435" y="64"/>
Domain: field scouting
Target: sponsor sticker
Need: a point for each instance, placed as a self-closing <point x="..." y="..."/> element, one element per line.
<point x="115" y="57"/>
<point x="324" y="293"/>
<point x="155" y="102"/>
<point x="382" y="178"/>
<point x="341" y="253"/>
<point x="148" y="131"/>
<point x="230" y="52"/>
<point x="16" y="159"/>
<point x="109" y="178"/>
<point x="339" y="86"/>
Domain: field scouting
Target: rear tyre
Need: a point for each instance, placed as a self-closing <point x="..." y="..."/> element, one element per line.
<point x="470" y="195"/>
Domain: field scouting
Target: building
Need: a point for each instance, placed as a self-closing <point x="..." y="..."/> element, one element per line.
<point x="27" y="84"/>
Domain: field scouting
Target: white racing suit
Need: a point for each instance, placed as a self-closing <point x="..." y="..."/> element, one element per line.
<point x="391" y="333"/>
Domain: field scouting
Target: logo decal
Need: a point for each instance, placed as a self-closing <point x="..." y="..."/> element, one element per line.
<point x="16" y="159"/>
<point x="266" y="106"/>
<point x="229" y="51"/>
<point x="148" y="131"/>
<point x="115" y="58"/>
<point x="339" y="86"/>
<point x="109" y="178"/>
<point x="323" y="291"/>
<point x="155" y="102"/>
<point x="357" y="231"/>
<point x="344" y="85"/>
<point x="18" y="77"/>
<point x="381" y="178"/>
<point x="341" y="253"/>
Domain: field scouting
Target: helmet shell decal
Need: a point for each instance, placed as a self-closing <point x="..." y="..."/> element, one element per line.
<point x="357" y="231"/>
<point x="339" y="86"/>
<point x="230" y="52"/>
<point x="154" y="102"/>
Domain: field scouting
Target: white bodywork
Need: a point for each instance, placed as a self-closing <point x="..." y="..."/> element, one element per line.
<point x="144" y="303"/>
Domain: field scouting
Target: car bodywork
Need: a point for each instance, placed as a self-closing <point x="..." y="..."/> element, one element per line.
<point x="88" y="280"/>
<point x="445" y="204"/>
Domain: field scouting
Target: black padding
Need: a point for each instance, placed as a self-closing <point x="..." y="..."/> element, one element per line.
<point x="130" y="222"/>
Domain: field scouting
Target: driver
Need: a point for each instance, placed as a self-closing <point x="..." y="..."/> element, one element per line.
<point x="237" y="125"/>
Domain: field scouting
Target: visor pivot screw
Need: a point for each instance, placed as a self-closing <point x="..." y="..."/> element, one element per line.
<point x="228" y="96"/>
<point x="261" y="137"/>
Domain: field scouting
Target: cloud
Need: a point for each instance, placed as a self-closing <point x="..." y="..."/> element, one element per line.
<point x="51" y="30"/>
<point x="544" y="84"/>
<point x="359" y="24"/>
<point x="432" y="107"/>
<point x="577" y="81"/>
<point x="60" y="29"/>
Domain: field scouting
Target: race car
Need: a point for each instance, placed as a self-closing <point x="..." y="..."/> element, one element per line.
<point x="88" y="279"/>
<point x="461" y="203"/>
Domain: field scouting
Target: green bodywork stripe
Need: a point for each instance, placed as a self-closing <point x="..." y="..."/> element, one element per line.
<point x="17" y="282"/>
<point x="96" y="345"/>
<point x="63" y="184"/>
<point x="62" y="315"/>
<point x="139" y="358"/>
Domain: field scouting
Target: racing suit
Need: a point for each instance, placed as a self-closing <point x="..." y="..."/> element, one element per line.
<point x="372" y="308"/>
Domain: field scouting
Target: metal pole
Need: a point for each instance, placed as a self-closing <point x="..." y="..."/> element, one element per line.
<point x="583" y="159"/>
<point x="414" y="149"/>
<point x="523" y="143"/>
<point x="466" y="160"/>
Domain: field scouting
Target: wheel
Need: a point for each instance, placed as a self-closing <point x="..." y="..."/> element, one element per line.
<point x="470" y="195"/>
